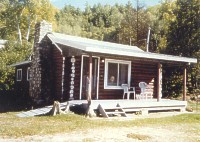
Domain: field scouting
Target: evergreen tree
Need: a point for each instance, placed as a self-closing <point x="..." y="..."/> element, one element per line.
<point x="184" y="32"/>
<point x="183" y="40"/>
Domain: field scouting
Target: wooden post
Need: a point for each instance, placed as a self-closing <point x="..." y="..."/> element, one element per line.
<point x="184" y="83"/>
<point x="159" y="83"/>
<point x="89" y="79"/>
<point x="90" y="111"/>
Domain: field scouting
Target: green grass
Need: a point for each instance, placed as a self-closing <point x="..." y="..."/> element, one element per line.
<point x="194" y="105"/>
<point x="13" y="126"/>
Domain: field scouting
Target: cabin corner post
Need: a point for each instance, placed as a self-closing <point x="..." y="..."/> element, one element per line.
<point x="159" y="84"/>
<point x="184" y="82"/>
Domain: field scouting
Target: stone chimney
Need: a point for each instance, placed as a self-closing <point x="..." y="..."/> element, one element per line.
<point x="41" y="29"/>
<point x="35" y="89"/>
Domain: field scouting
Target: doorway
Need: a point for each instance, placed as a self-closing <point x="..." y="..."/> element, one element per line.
<point x="95" y="77"/>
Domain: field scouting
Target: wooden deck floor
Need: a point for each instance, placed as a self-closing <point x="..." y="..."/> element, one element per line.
<point x="150" y="104"/>
<point x="127" y="105"/>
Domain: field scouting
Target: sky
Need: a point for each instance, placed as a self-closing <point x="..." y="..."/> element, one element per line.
<point x="82" y="3"/>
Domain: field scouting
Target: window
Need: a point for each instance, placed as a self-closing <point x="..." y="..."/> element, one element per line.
<point x="19" y="74"/>
<point x="117" y="72"/>
<point x="28" y="73"/>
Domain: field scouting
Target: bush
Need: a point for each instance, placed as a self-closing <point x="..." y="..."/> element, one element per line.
<point x="12" y="52"/>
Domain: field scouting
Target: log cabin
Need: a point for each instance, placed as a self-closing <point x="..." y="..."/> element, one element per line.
<point x="62" y="65"/>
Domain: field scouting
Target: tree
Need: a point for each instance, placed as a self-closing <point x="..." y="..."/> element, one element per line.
<point x="184" y="32"/>
<point x="128" y="31"/>
<point x="12" y="52"/>
<point x="183" y="36"/>
<point x="97" y="22"/>
<point x="105" y="22"/>
<point x="69" y="20"/>
<point x="134" y="26"/>
<point x="19" y="17"/>
<point x="160" y="18"/>
<point x="3" y="4"/>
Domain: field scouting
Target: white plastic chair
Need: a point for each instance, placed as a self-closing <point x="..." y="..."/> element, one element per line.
<point x="142" y="86"/>
<point x="128" y="90"/>
<point x="146" y="91"/>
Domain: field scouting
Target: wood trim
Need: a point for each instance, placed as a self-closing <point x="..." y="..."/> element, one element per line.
<point x="81" y="76"/>
<point x="106" y="72"/>
<point x="184" y="83"/>
<point x="89" y="97"/>
<point x="28" y="74"/>
<point x="20" y="71"/>
<point x="97" y="89"/>
<point x="159" y="83"/>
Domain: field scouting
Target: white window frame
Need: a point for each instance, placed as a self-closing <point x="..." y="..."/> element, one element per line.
<point x="28" y="74"/>
<point x="106" y="86"/>
<point x="19" y="71"/>
<point x="80" y="95"/>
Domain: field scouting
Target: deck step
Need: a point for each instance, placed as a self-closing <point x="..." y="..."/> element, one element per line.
<point x="111" y="111"/>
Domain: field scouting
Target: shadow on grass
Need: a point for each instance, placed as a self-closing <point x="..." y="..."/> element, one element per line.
<point x="10" y="102"/>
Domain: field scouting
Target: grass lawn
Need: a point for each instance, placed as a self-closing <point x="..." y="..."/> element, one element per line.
<point x="13" y="126"/>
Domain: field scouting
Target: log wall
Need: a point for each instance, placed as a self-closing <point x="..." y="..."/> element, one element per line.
<point x="141" y="71"/>
<point x="22" y="87"/>
<point x="57" y="75"/>
<point x="77" y="77"/>
<point x="67" y="78"/>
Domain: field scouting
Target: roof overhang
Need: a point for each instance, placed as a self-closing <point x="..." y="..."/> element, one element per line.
<point x="20" y="63"/>
<point x="95" y="46"/>
<point x="146" y="55"/>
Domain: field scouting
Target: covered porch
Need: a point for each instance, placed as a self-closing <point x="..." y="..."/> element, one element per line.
<point x="98" y="68"/>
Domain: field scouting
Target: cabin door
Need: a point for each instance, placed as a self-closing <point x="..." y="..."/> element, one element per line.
<point x="95" y="77"/>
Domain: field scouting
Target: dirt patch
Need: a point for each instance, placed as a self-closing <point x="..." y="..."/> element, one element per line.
<point x="144" y="134"/>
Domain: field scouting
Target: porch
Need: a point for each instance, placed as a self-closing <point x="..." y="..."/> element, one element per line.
<point x="150" y="104"/>
<point x="107" y="108"/>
